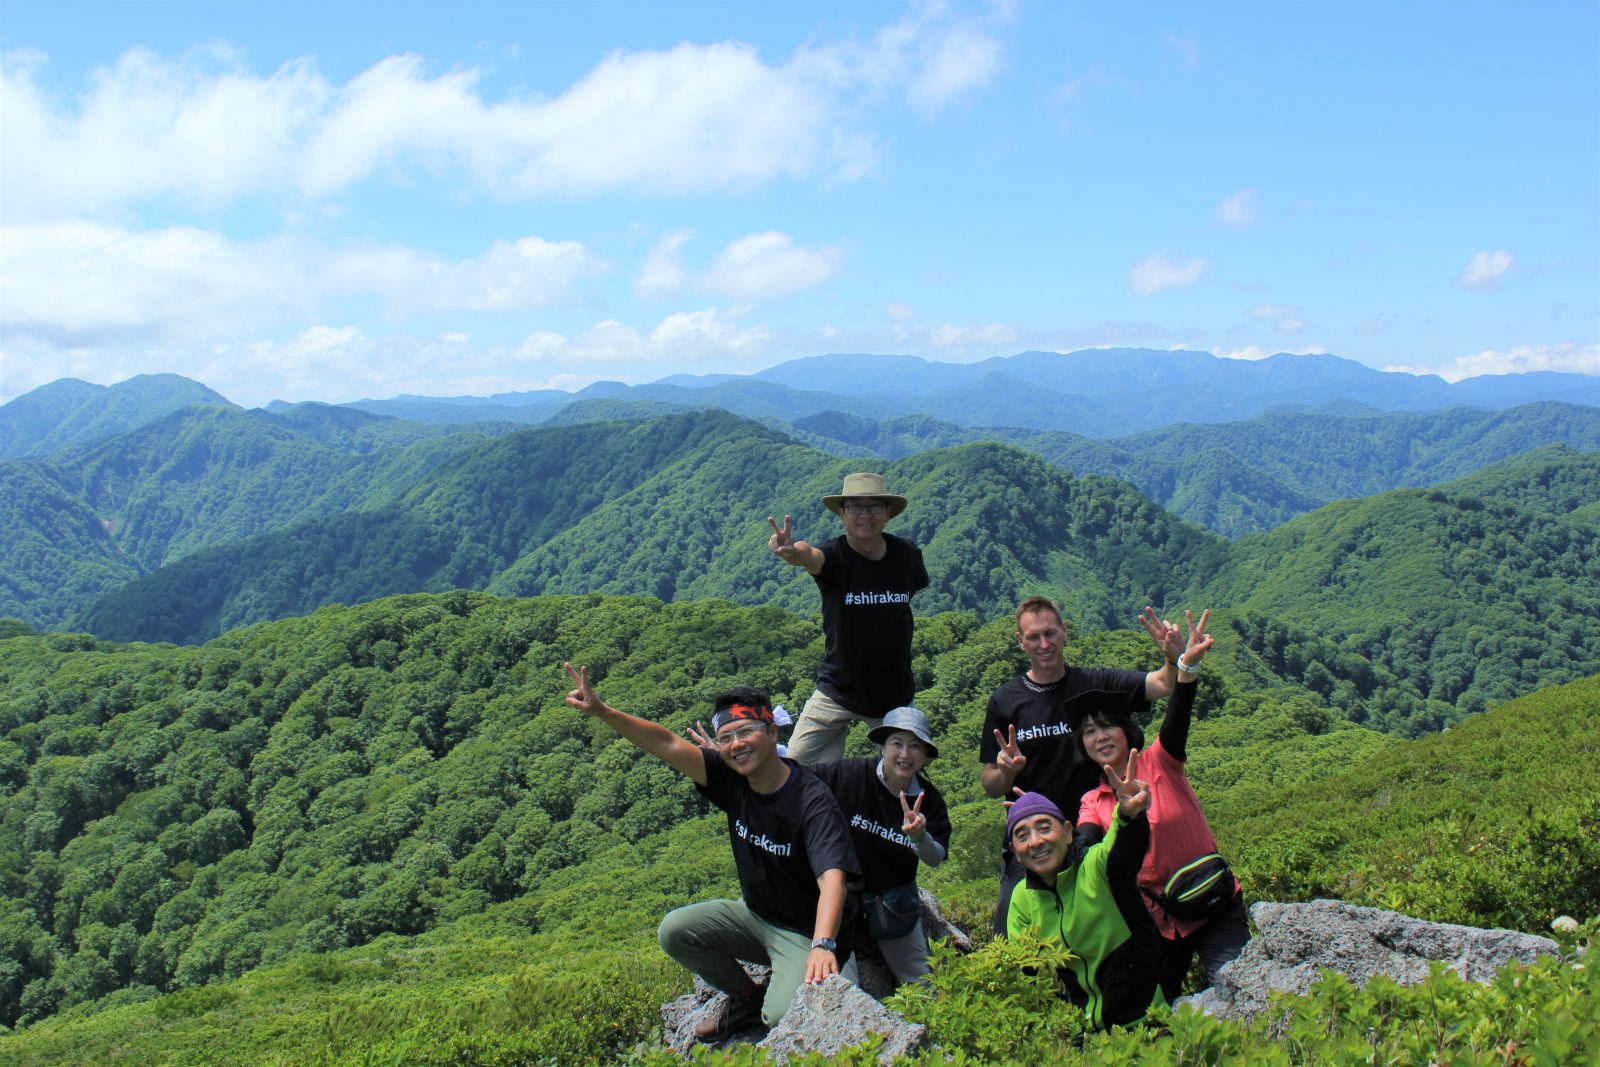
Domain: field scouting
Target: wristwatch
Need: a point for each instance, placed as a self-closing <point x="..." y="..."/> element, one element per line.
<point x="827" y="944"/>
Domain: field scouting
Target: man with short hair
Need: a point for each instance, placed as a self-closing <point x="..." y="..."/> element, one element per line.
<point x="1027" y="740"/>
<point x="866" y="579"/>
<point x="791" y="848"/>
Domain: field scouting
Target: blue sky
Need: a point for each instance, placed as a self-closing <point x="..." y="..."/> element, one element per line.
<point x="343" y="200"/>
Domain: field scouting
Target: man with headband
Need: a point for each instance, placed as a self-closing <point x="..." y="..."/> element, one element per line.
<point x="791" y="848"/>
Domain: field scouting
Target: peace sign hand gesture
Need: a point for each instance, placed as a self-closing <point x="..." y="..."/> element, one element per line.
<point x="583" y="697"/>
<point x="1163" y="632"/>
<point x="1199" y="641"/>
<point x="782" y="540"/>
<point x="916" y="823"/>
<point x="1133" y="796"/>
<point x="1010" y="758"/>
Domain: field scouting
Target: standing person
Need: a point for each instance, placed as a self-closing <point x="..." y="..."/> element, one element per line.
<point x="1027" y="740"/>
<point x="877" y="796"/>
<point x="867" y="579"/>
<point x="1087" y="901"/>
<point x="790" y="846"/>
<point x="1213" y="923"/>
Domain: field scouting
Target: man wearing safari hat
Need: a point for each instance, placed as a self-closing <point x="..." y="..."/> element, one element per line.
<point x="866" y="578"/>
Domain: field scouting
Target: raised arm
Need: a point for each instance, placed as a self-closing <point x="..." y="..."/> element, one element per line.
<point x="1180" y="709"/>
<point x="651" y="737"/>
<point x="1158" y="683"/>
<point x="795" y="553"/>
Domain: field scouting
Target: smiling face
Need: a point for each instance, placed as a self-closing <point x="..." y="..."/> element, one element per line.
<point x="864" y="518"/>
<point x="903" y="756"/>
<point x="1104" y="741"/>
<point x="747" y="746"/>
<point x="1041" y="843"/>
<point x="1042" y="636"/>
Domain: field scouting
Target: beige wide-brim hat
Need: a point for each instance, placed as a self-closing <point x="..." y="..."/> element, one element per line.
<point x="864" y="485"/>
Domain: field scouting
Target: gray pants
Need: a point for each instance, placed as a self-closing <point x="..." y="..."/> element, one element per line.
<point x="820" y="731"/>
<point x="711" y="937"/>
<point x="907" y="956"/>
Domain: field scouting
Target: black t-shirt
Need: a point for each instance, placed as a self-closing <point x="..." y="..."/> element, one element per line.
<point x="782" y="841"/>
<point x="1042" y="714"/>
<point x="866" y="618"/>
<point x="888" y="857"/>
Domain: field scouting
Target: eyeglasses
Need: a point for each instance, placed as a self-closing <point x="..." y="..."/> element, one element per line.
<point x="743" y="733"/>
<point x="865" y="509"/>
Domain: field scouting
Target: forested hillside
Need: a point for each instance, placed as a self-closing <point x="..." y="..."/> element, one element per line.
<point x="1479" y="591"/>
<point x="68" y="413"/>
<point x="1243" y="477"/>
<point x="676" y="508"/>
<point x="172" y="817"/>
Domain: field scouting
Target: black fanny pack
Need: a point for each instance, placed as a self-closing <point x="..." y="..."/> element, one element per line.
<point x="1200" y="889"/>
<point x="892" y="913"/>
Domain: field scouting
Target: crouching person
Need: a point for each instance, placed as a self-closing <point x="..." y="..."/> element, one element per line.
<point x="791" y="848"/>
<point x="1090" y="904"/>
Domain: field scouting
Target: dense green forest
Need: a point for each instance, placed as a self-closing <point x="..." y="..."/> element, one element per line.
<point x="128" y="479"/>
<point x="342" y="836"/>
<point x="1405" y="610"/>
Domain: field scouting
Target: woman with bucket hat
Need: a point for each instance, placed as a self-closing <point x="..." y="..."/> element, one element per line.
<point x="866" y="578"/>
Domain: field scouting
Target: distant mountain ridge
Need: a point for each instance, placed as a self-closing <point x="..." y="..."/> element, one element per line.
<point x="69" y="413"/>
<point x="1094" y="392"/>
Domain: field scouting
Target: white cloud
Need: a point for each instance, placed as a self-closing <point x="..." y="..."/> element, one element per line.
<point x="694" y="336"/>
<point x="662" y="273"/>
<point x="693" y="118"/>
<point x="1272" y="311"/>
<point x="1519" y="359"/>
<point x="1187" y="45"/>
<point x="1291" y="325"/>
<point x="1158" y="272"/>
<point x="948" y="336"/>
<point x="698" y="335"/>
<point x="80" y="279"/>
<point x="1484" y="269"/>
<point x="1254" y="352"/>
<point x="1237" y="211"/>
<point x="769" y="264"/>
<point x="900" y="312"/>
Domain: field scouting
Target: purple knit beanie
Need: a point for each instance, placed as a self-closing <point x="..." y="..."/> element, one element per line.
<point x="1026" y="807"/>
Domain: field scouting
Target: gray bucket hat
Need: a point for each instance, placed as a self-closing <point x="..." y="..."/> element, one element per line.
<point x="909" y="719"/>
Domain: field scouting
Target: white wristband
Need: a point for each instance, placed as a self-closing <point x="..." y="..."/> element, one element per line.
<point x="1186" y="669"/>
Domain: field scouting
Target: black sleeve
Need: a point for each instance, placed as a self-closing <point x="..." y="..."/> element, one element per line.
<point x="1127" y="851"/>
<point x="937" y="814"/>
<point x="988" y="747"/>
<point x="919" y="577"/>
<point x="827" y="836"/>
<point x="1175" y="727"/>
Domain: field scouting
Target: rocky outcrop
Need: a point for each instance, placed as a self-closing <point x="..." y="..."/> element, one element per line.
<point x="1294" y="943"/>
<point x="821" y="1018"/>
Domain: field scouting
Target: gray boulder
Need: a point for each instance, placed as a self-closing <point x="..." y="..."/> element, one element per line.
<point x="834" y="1015"/>
<point x="1294" y="943"/>
<point x="821" y="1018"/>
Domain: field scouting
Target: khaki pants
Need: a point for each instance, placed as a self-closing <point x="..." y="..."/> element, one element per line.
<point x="820" y="731"/>
<point x="711" y="937"/>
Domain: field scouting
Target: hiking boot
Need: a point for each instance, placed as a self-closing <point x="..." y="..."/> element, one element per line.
<point x="729" y="1017"/>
